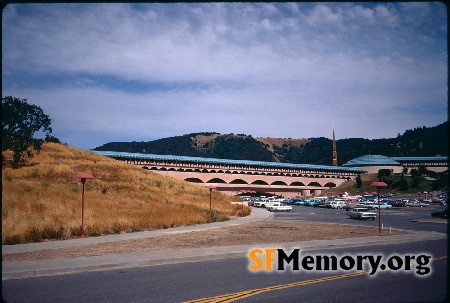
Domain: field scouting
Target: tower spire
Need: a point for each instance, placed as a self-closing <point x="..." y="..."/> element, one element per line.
<point x="334" y="151"/>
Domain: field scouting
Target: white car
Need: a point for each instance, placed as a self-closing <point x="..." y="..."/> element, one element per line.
<point x="360" y="213"/>
<point x="278" y="206"/>
<point x="383" y="205"/>
<point x="337" y="204"/>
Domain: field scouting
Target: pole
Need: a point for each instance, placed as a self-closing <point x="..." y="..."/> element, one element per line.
<point x="210" y="208"/>
<point x="82" y="209"/>
<point x="379" y="214"/>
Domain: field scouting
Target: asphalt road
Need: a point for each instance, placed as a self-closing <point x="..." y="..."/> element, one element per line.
<point x="229" y="279"/>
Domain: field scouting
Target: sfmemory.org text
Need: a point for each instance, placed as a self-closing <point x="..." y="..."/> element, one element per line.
<point x="270" y="259"/>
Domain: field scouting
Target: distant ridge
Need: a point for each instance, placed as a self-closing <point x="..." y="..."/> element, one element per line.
<point x="419" y="142"/>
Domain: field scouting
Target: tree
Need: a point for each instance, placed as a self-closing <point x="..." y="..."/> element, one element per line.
<point x="403" y="184"/>
<point x="382" y="173"/>
<point x="358" y="181"/>
<point x="20" y="121"/>
<point x="416" y="177"/>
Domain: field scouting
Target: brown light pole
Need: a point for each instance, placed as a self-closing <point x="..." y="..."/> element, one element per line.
<point x="83" y="177"/>
<point x="211" y="187"/>
<point x="378" y="185"/>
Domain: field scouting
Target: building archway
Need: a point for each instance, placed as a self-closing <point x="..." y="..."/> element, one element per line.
<point x="193" y="180"/>
<point x="279" y="183"/>
<point x="314" y="184"/>
<point x="260" y="182"/>
<point x="238" y="181"/>
<point x="330" y="185"/>
<point x="216" y="180"/>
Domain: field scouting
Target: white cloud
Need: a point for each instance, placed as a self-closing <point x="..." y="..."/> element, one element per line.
<point x="147" y="71"/>
<point x="324" y="14"/>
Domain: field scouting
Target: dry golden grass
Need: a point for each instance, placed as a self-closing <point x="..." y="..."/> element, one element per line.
<point x="42" y="199"/>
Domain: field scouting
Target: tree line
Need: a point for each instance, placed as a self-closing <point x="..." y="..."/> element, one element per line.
<point x="419" y="142"/>
<point x="21" y="121"/>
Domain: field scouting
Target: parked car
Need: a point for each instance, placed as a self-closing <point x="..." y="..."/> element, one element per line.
<point x="291" y="201"/>
<point x="322" y="204"/>
<point x="348" y="206"/>
<point x="424" y="203"/>
<point x="397" y="203"/>
<point x="337" y="204"/>
<point x="315" y="203"/>
<point x="383" y="205"/>
<point x="308" y="202"/>
<point x="438" y="201"/>
<point x="415" y="203"/>
<point x="299" y="202"/>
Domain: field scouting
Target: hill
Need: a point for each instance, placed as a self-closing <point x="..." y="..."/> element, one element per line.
<point x="419" y="142"/>
<point x="42" y="199"/>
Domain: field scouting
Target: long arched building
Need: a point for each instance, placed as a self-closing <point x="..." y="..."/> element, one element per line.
<point x="234" y="176"/>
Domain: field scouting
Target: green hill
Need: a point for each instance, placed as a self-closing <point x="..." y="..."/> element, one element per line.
<point x="418" y="142"/>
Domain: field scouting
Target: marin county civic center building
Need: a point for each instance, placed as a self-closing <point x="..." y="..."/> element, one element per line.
<point x="373" y="163"/>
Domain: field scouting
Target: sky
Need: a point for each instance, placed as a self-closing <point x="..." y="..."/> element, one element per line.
<point x="113" y="72"/>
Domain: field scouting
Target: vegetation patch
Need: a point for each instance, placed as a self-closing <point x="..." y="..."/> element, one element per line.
<point x="41" y="200"/>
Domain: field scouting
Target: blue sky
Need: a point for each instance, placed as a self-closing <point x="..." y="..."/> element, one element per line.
<point x="140" y="72"/>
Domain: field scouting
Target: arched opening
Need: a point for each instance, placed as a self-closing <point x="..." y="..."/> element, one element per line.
<point x="216" y="180"/>
<point x="260" y="182"/>
<point x="278" y="183"/>
<point x="193" y="180"/>
<point x="238" y="181"/>
<point x="330" y="185"/>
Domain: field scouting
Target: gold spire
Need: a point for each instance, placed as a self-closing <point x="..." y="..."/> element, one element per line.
<point x="334" y="151"/>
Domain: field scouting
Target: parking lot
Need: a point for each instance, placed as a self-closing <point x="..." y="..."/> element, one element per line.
<point x="399" y="217"/>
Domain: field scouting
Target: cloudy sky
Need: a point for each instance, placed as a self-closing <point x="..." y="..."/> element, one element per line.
<point x="141" y="72"/>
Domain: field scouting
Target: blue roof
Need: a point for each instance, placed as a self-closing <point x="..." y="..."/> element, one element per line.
<point x="383" y="160"/>
<point x="371" y="160"/>
<point x="424" y="159"/>
<point x="227" y="161"/>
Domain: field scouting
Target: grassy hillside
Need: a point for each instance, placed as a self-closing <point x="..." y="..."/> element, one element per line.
<point x="42" y="199"/>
